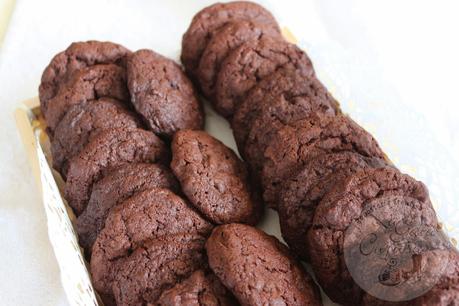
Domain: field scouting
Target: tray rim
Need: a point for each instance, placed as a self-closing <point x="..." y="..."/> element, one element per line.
<point x="30" y="125"/>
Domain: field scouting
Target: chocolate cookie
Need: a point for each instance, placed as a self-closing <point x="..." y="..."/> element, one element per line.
<point x="257" y="268"/>
<point x="162" y="94"/>
<point x="200" y="289"/>
<point x="251" y="62"/>
<point x="109" y="149"/>
<point x="118" y="185"/>
<point x="77" y="56"/>
<point x="365" y="194"/>
<point x="83" y="121"/>
<point x="302" y="192"/>
<point x="157" y="266"/>
<point x="210" y="19"/>
<point x="228" y="37"/>
<point x="148" y="215"/>
<point x="213" y="178"/>
<point x="86" y="85"/>
<point x="285" y="96"/>
<point x="444" y="293"/>
<point x="291" y="146"/>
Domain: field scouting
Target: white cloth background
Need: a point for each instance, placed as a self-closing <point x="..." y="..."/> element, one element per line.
<point x="393" y="65"/>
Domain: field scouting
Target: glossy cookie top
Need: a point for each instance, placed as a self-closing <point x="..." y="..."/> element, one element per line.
<point x="213" y="178"/>
<point x="210" y="19"/>
<point x="162" y="94"/>
<point x="257" y="268"/>
<point x="107" y="150"/>
<point x="118" y="185"/>
<point x="77" y="56"/>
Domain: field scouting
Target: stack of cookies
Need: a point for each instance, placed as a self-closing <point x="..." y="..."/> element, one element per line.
<point x="369" y="231"/>
<point x="163" y="208"/>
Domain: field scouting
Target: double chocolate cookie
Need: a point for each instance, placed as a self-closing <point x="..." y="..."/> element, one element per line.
<point x="302" y="192"/>
<point x="148" y="215"/>
<point x="251" y="62"/>
<point x="294" y="144"/>
<point x="257" y="268"/>
<point x="228" y="37"/>
<point x="285" y="96"/>
<point x="156" y="266"/>
<point x="87" y="85"/>
<point x="200" y="289"/>
<point x="118" y="185"/>
<point x="208" y="20"/>
<point x="359" y="215"/>
<point x="83" y="121"/>
<point x="77" y="56"/>
<point x="213" y="178"/>
<point x="109" y="149"/>
<point x="162" y="94"/>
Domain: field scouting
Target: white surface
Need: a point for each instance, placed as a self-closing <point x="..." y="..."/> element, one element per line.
<point x="393" y="65"/>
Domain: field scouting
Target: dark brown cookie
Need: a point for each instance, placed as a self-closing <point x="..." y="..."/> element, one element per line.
<point x="77" y="56"/>
<point x="148" y="215"/>
<point x="302" y="192"/>
<point x="200" y="289"/>
<point x="83" y="121"/>
<point x="162" y="94"/>
<point x="156" y="266"/>
<point x="285" y="96"/>
<point x="444" y="293"/>
<point x="210" y="19"/>
<point x="228" y="38"/>
<point x="118" y="185"/>
<point x="109" y="149"/>
<point x="341" y="208"/>
<point x="213" y="178"/>
<point x="257" y="268"/>
<point x="291" y="146"/>
<point x="86" y="85"/>
<point x="251" y="62"/>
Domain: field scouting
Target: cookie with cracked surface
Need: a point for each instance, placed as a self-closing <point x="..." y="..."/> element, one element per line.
<point x="205" y="23"/>
<point x="162" y="94"/>
<point x="87" y="85"/>
<point x="118" y="185"/>
<point x="228" y="38"/>
<point x="83" y="121"/>
<point x="444" y="293"/>
<point x="200" y="289"/>
<point x="109" y="149"/>
<point x="257" y="268"/>
<point x="343" y="206"/>
<point x="302" y="192"/>
<point x="77" y="56"/>
<point x="294" y="144"/>
<point x="213" y="178"/>
<point x="156" y="266"/>
<point x="284" y="97"/>
<point x="147" y="215"/>
<point x="250" y="63"/>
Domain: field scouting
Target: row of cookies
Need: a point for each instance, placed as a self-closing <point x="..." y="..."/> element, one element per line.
<point x="315" y="165"/>
<point x="98" y="103"/>
<point x="145" y="242"/>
